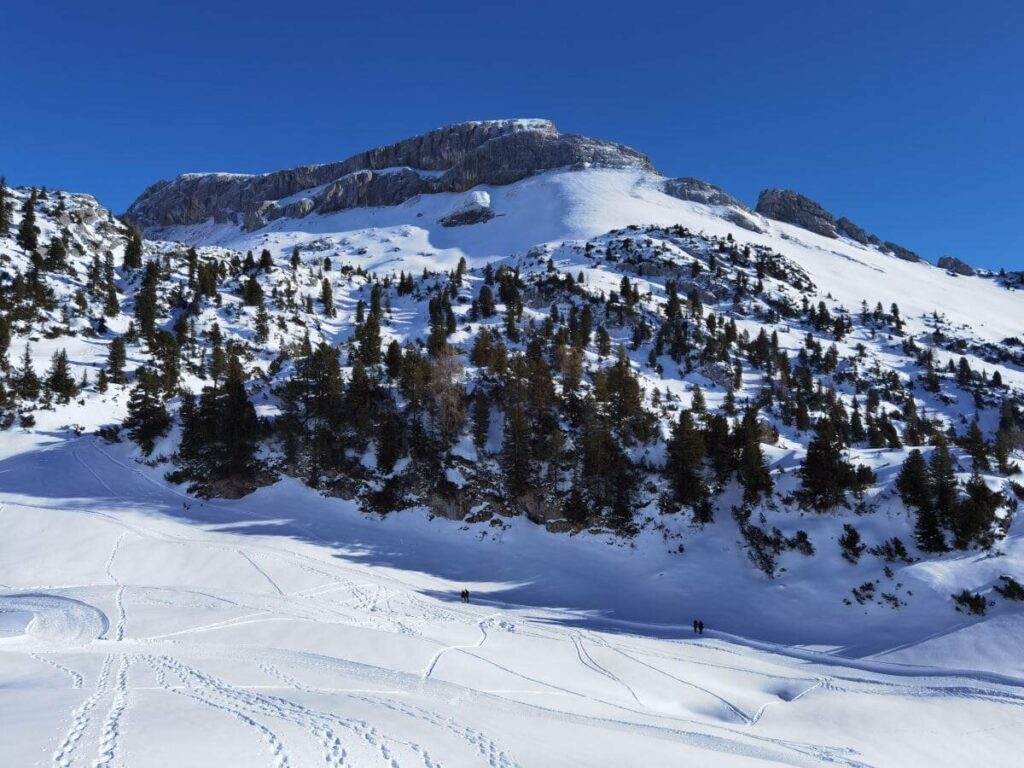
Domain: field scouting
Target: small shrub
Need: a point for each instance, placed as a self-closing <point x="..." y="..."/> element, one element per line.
<point x="971" y="602"/>
<point x="1011" y="588"/>
<point x="850" y="543"/>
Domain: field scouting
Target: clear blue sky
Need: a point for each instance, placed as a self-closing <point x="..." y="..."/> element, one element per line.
<point x="908" y="117"/>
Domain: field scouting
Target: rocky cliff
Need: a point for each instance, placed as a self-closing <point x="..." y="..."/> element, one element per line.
<point x="450" y="159"/>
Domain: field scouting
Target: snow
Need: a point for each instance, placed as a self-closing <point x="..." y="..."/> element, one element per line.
<point x="570" y="205"/>
<point x="289" y="629"/>
<point x="141" y="626"/>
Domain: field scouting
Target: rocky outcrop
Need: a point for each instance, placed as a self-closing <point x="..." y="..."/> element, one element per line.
<point x="698" y="191"/>
<point x="848" y="229"/>
<point x="475" y="209"/>
<point x="900" y="252"/>
<point x="793" y="208"/>
<point x="450" y="159"/>
<point x="957" y="266"/>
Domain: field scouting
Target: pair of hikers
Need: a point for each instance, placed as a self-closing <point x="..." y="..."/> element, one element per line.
<point x="464" y="595"/>
<point x="698" y="626"/>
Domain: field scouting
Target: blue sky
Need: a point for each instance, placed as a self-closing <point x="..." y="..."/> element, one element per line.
<point x="907" y="117"/>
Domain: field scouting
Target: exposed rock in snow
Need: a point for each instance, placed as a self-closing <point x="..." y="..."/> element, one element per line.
<point x="697" y="191"/>
<point x="475" y="209"/>
<point x="456" y="158"/>
<point x="957" y="266"/>
<point x="794" y="208"/>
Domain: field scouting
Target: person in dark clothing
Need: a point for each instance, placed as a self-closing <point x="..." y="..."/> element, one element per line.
<point x="700" y="627"/>
<point x="465" y="595"/>
<point x="695" y="626"/>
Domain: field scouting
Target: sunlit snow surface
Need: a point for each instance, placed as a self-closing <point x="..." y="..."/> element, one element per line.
<point x="141" y="627"/>
<point x="289" y="630"/>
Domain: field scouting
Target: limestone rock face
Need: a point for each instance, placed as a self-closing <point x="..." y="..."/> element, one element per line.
<point x="793" y="208"/>
<point x="958" y="266"/>
<point x="450" y="159"/>
<point x="697" y="191"/>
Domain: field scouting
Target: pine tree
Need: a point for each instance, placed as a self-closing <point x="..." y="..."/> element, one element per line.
<point x="26" y="381"/>
<point x="111" y="306"/>
<point x="5" y="209"/>
<point x="238" y="427"/>
<point x="266" y="261"/>
<point x="58" y="379"/>
<point x="914" y="486"/>
<point x="393" y="359"/>
<point x="133" y="251"/>
<point x="575" y="509"/>
<point x="975" y="514"/>
<point x="28" y="234"/>
<point x="752" y="473"/>
<point x="516" y="451"/>
<point x="116" y="359"/>
<point x="327" y="298"/>
<point x="147" y="417"/>
<point x="56" y="255"/>
<point x="369" y="340"/>
<point x="975" y="445"/>
<point x="253" y="293"/>
<point x="942" y="478"/>
<point x="481" y="418"/>
<point x="295" y="260"/>
<point x="684" y="466"/>
<point x="262" y="325"/>
<point x="825" y="475"/>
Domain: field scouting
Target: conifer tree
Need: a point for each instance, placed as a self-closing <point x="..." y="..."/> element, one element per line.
<point x="914" y="486"/>
<point x="975" y="445"/>
<point x="5" y="209"/>
<point x="825" y="474"/>
<point x="133" y="251"/>
<point x="28" y="234"/>
<point x="369" y="340"/>
<point x="975" y="514"/>
<point x="942" y="478"/>
<point x="58" y="378"/>
<point x="116" y="359"/>
<point x="516" y="451"/>
<point x="481" y="418"/>
<point x="574" y="508"/>
<point x="685" y="462"/>
<point x="147" y="417"/>
<point x="327" y="298"/>
<point x="26" y="381"/>
<point x="253" y="293"/>
<point x="752" y="473"/>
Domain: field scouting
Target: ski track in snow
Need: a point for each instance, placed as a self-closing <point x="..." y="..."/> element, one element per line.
<point x="429" y="669"/>
<point x="350" y="595"/>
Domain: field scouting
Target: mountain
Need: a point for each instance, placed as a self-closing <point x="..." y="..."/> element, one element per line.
<point x="501" y="356"/>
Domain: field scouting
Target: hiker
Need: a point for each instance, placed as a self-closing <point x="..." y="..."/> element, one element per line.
<point x="464" y="595"/>
<point x="695" y="626"/>
<point x="700" y="627"/>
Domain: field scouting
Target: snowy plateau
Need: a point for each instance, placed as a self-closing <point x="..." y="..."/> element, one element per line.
<point x="501" y="359"/>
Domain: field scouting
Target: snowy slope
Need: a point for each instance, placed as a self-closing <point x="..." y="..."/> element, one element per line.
<point x="576" y="205"/>
<point x="142" y="626"/>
